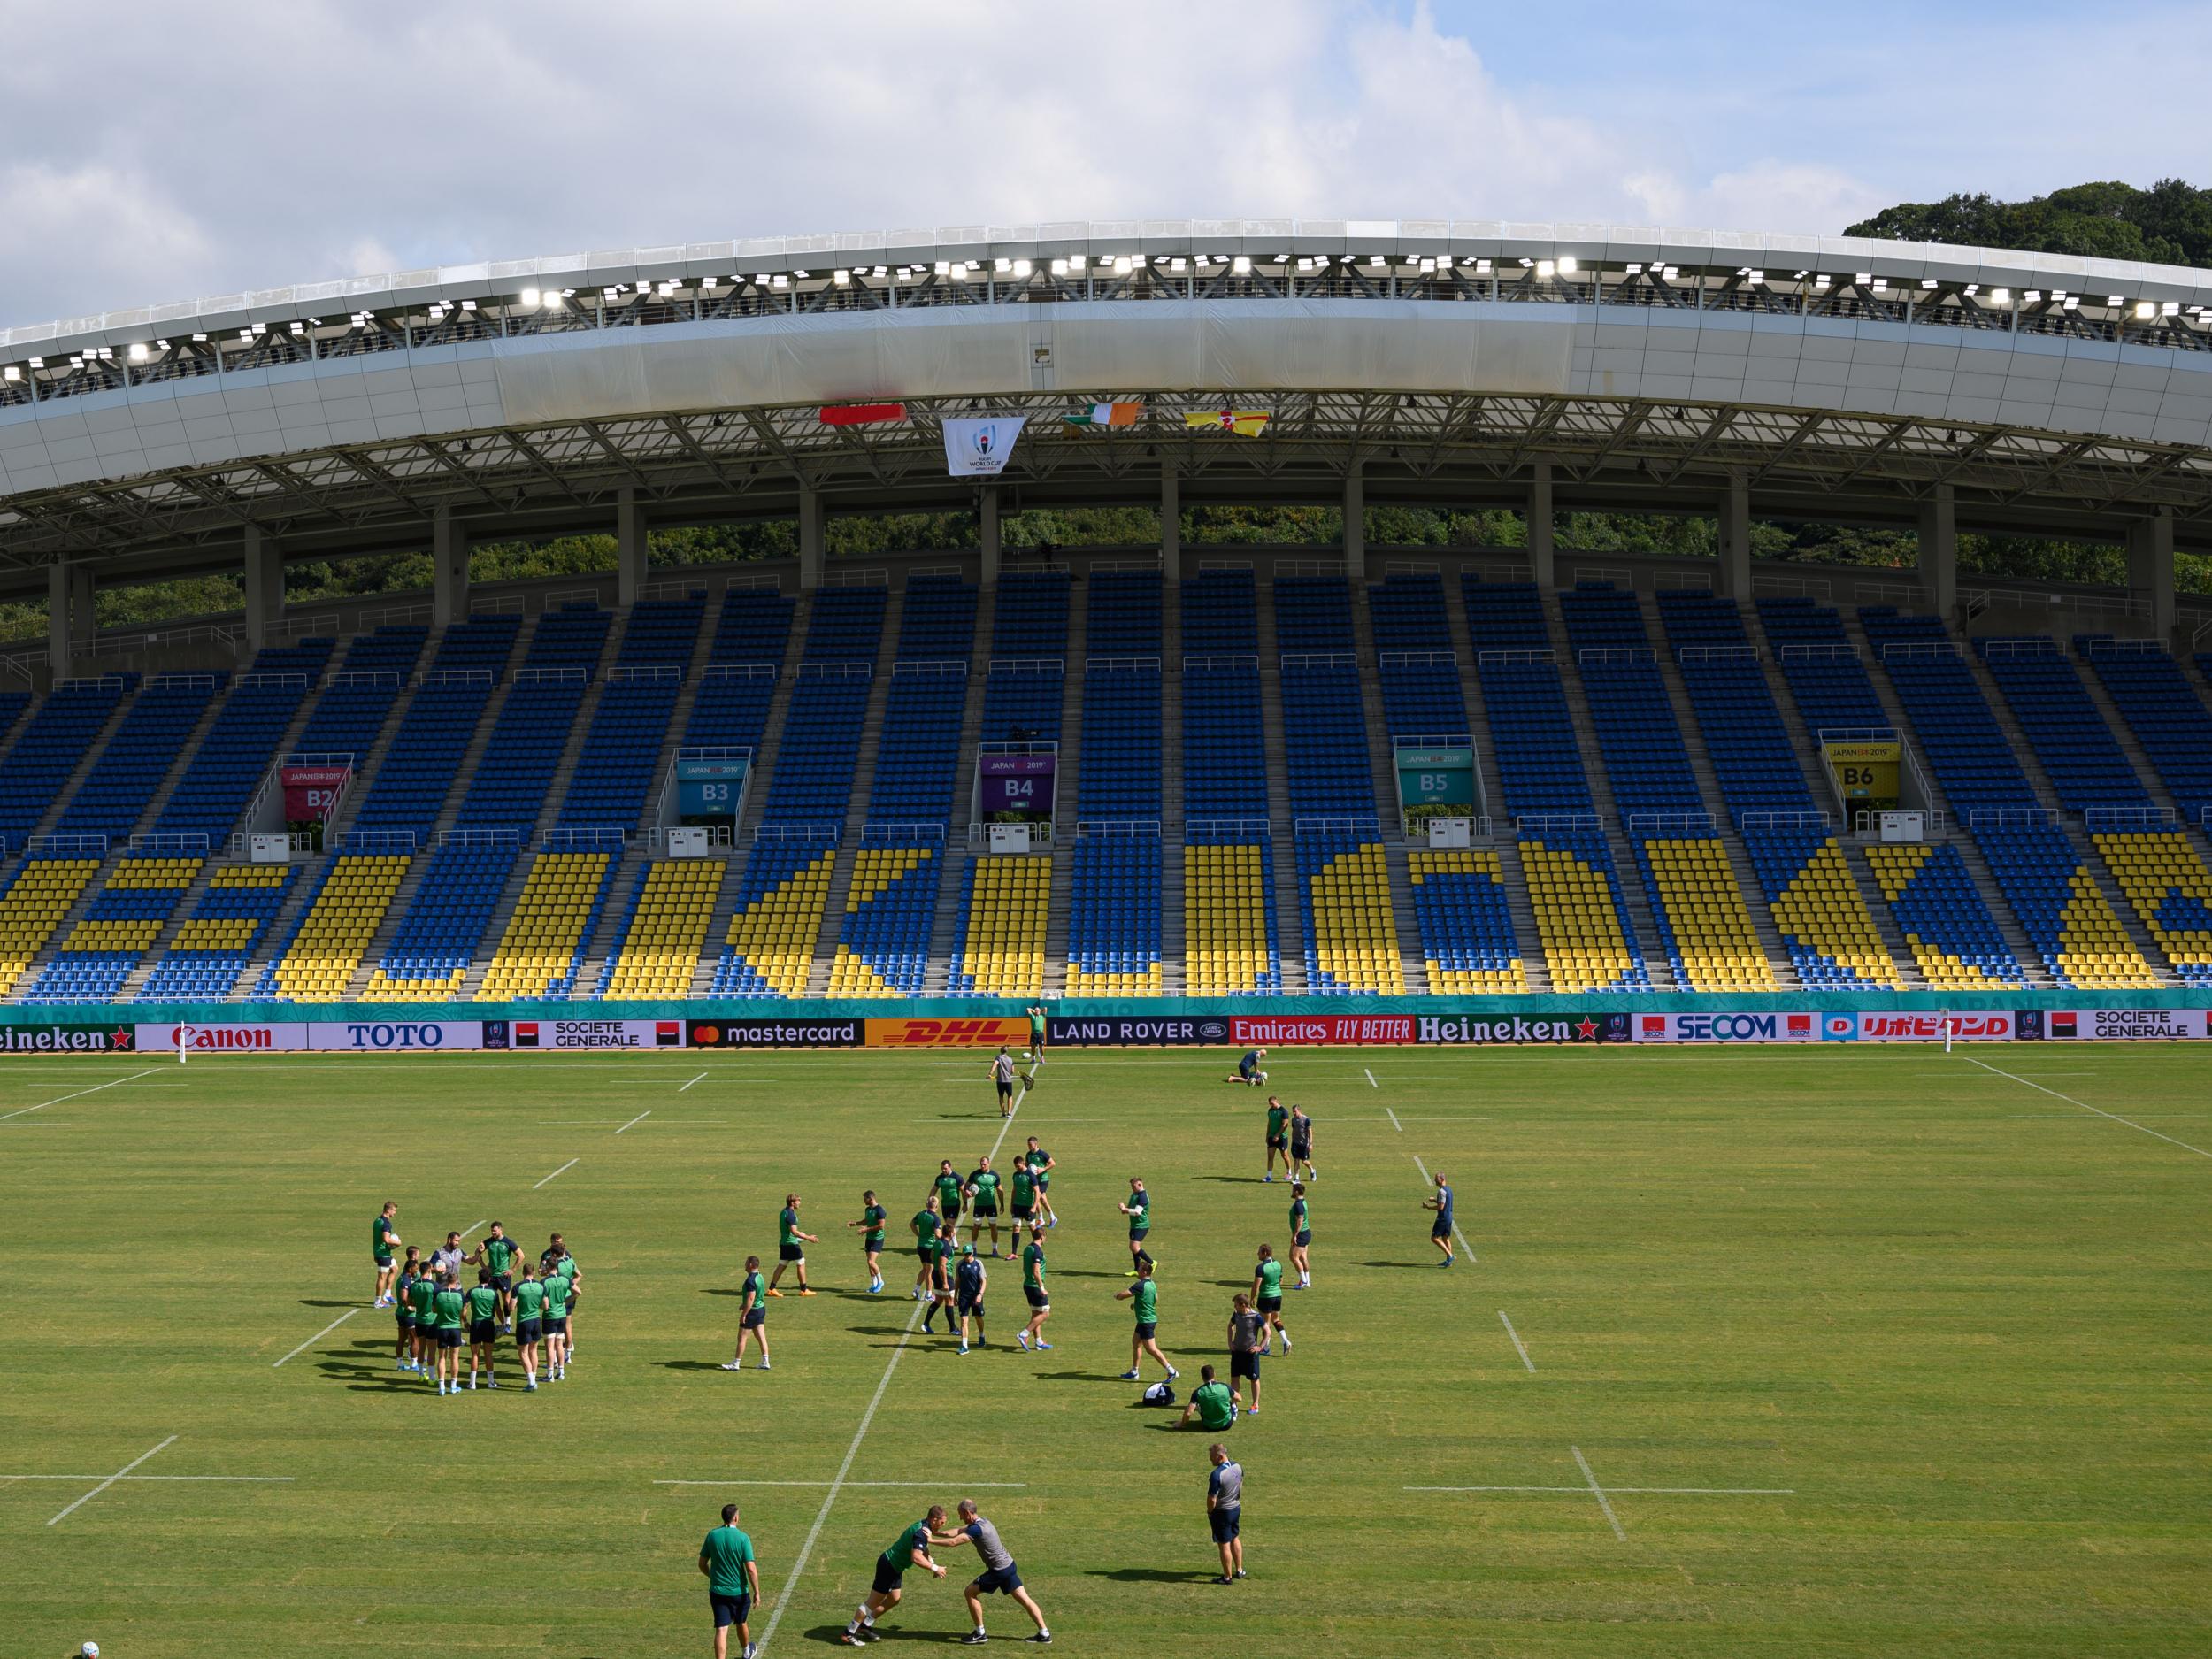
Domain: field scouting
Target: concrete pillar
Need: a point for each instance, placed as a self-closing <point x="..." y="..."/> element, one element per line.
<point x="989" y="535"/>
<point x="448" y="569"/>
<point x="1735" y="540"/>
<point x="810" y="539"/>
<point x="1939" y="551"/>
<point x="1354" y="527"/>
<point x="59" y="636"/>
<point x="1543" y="559"/>
<point x="265" y="588"/>
<point x="629" y="542"/>
<point x="1171" y="526"/>
<point x="2151" y="570"/>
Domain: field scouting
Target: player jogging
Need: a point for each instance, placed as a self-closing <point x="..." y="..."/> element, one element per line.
<point x="404" y="1310"/>
<point x="1248" y="1069"/>
<point x="558" y="1288"/>
<point x="1277" y="1137"/>
<point x="969" y="1281"/>
<point x="1267" y="1294"/>
<point x="872" y="1219"/>
<point x="382" y="1241"/>
<point x="998" y="1577"/>
<point x="1248" y="1329"/>
<point x="1440" y="1231"/>
<point x="790" y="1247"/>
<point x="924" y="1227"/>
<point x="1033" y="1293"/>
<point x="1003" y="1080"/>
<point x="446" y="1304"/>
<point x="981" y="1187"/>
<point x="483" y="1301"/>
<point x="1145" y="1339"/>
<point x="910" y="1551"/>
<point x="732" y="1578"/>
<point x="529" y="1324"/>
<point x="752" y="1317"/>
<point x="1040" y="1164"/>
<point x="1139" y="1209"/>
<point x="1301" y="1236"/>
<point x="1302" y="1143"/>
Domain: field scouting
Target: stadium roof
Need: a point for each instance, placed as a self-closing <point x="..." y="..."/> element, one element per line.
<point x="1840" y="377"/>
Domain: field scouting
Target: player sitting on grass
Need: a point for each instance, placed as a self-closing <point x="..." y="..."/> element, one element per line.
<point x="1213" y="1402"/>
<point x="911" y="1550"/>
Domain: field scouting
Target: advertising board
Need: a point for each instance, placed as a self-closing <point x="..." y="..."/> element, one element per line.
<point x="392" y="1036"/>
<point x="1016" y="783"/>
<point x="1728" y="1026"/>
<point x="583" y="1033"/>
<point x="708" y="788"/>
<point x="1613" y="1027"/>
<point x="1115" y="1030"/>
<point x="68" y="1039"/>
<point x="1344" y="1030"/>
<point x="225" y="1039"/>
<point x="1436" y="777"/>
<point x="309" y="792"/>
<point x="986" y="1032"/>
<point x="1982" y="1026"/>
<point x="773" y="1033"/>
<point x="2117" y="1025"/>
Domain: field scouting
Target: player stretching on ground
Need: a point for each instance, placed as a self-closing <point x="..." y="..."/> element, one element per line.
<point x="1034" y="1291"/>
<point x="1248" y="1069"/>
<point x="911" y="1550"/>
<point x="1003" y="1080"/>
<point x="529" y="1324"/>
<point x="970" y="1280"/>
<point x="1139" y="1209"/>
<point x="924" y="1227"/>
<point x="1041" y="1163"/>
<point x="1267" y="1294"/>
<point x="1440" y="1231"/>
<point x="483" y="1316"/>
<point x="404" y="1310"/>
<point x="382" y="1241"/>
<point x="1277" y="1137"/>
<point x="752" y="1317"/>
<point x="1302" y="1143"/>
<point x="982" y="1190"/>
<point x="872" y="1219"/>
<point x="557" y="1289"/>
<point x="998" y="1576"/>
<point x="1145" y="1339"/>
<point x="790" y="1247"/>
<point x="1301" y="1236"/>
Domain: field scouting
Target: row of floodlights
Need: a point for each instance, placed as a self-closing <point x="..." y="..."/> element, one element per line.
<point x="1123" y="265"/>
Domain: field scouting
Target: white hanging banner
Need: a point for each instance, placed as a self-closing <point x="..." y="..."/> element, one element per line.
<point x="980" y="448"/>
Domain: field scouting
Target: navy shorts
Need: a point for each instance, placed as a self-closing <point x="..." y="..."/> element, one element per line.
<point x="753" y="1320"/>
<point x="448" y="1336"/>
<point x="1442" y="1230"/>
<point x="1271" y="1304"/>
<point x="973" y="1308"/>
<point x="1023" y="1215"/>
<point x="1245" y="1365"/>
<point x="1304" y="1237"/>
<point x="502" y="1282"/>
<point x="1225" y="1523"/>
<point x="791" y="1252"/>
<point x="729" y="1610"/>
<point x="1145" y="1329"/>
<point x="1035" y="1297"/>
<point x="1005" y="1091"/>
<point x="528" y="1331"/>
<point x="887" y="1577"/>
<point x="406" y="1321"/>
<point x="982" y="1210"/>
<point x="998" y="1581"/>
<point x="1137" y="1234"/>
<point x="1275" y="1143"/>
<point x="481" y="1333"/>
<point x="1302" y="1150"/>
<point x="557" y="1327"/>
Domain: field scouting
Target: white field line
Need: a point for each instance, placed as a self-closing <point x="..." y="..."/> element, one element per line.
<point x="469" y="1229"/>
<point x="1370" y="1075"/>
<point x="1456" y="1234"/>
<point x="1676" y="1492"/>
<point x="1598" y="1492"/>
<point x="1516" y="1335"/>
<point x="1394" y="1124"/>
<point x="640" y="1118"/>
<point x="980" y="1485"/>
<point x="111" y="1479"/>
<point x="814" y="1532"/>
<point x="563" y="1170"/>
<point x="95" y="1089"/>
<point x="2086" y="1107"/>
<point x="318" y="1337"/>
<point x="700" y="1079"/>
<point x="254" y="1480"/>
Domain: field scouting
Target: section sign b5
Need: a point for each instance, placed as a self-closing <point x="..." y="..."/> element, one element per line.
<point x="987" y="1033"/>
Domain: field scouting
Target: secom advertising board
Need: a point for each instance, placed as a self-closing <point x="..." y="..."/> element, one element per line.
<point x="1728" y="1027"/>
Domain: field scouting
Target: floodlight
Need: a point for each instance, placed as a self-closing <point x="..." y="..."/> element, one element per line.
<point x="1567" y="266"/>
<point x="1671" y="272"/>
<point x="616" y="292"/>
<point x="2171" y="308"/>
<point x="1022" y="268"/>
<point x="1374" y="261"/>
<point x="10" y="373"/>
<point x="1801" y="276"/>
<point x="1863" y="278"/>
<point x="1633" y="270"/>
<point x="1482" y="267"/>
<point x="1076" y="263"/>
<point x="1240" y="266"/>
<point x="529" y="299"/>
<point x="1179" y="263"/>
<point x="1526" y="263"/>
<point x="138" y="351"/>
<point x="261" y="328"/>
<point x="2073" y="302"/>
<point x="1927" y="281"/>
<point x="2145" y="310"/>
<point x="161" y="345"/>
<point x="1544" y="267"/>
<point x="1059" y="267"/>
<point x="1754" y="278"/>
<point x="2116" y="300"/>
<point x="803" y="275"/>
<point x="38" y="363"/>
<point x="298" y="328"/>
<point x="879" y="272"/>
<point x="941" y="268"/>
<point x="246" y="335"/>
<point x="1121" y="264"/>
<point x="1880" y="283"/>
<point x="958" y="272"/>
<point x="2001" y="296"/>
<point x="779" y="280"/>
<point x="1820" y="282"/>
<point x="760" y="278"/>
<point x="2058" y="294"/>
<point x="1973" y="287"/>
<point x="202" y="338"/>
<point x="1428" y="267"/>
<point x="843" y="278"/>
<point x="2033" y="295"/>
<point x="76" y="363"/>
<point x="667" y="288"/>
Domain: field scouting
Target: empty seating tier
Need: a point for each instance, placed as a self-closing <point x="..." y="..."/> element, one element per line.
<point x="1702" y="920"/>
<point x="1003" y="904"/>
<point x="1459" y="903"/>
<point x="1947" y="926"/>
<point x="2166" y="715"/>
<point x="325" y="951"/>
<point x="2065" y="913"/>
<point x="2070" y="737"/>
<point x="666" y="931"/>
<point x="126" y="774"/>
<point x="1351" y="934"/>
<point x="769" y="948"/>
<point x="1579" y="919"/>
<point x="120" y="926"/>
<point x="883" y="944"/>
<point x="211" y="947"/>
<point x="228" y="764"/>
<point x="1114" y="919"/>
<point x="1819" y="910"/>
<point x="54" y="741"/>
<point x="436" y="941"/>
<point x="543" y="944"/>
<point x="1229" y="914"/>
<point x="33" y="907"/>
<point x="2164" y="878"/>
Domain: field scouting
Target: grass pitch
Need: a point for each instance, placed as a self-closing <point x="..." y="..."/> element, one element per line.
<point x="1827" y="1351"/>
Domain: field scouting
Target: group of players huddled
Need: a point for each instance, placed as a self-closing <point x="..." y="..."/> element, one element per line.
<point x="534" y="1304"/>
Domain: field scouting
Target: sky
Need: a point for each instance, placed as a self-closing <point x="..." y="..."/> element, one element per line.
<point x="153" y="152"/>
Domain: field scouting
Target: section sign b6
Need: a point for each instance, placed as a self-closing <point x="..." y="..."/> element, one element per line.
<point x="948" y="1033"/>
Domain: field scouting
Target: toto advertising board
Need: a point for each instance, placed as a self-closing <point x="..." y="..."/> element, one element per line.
<point x="583" y="1033"/>
<point x="2117" y="1025"/>
<point x="394" y="1036"/>
<point x="773" y="1033"/>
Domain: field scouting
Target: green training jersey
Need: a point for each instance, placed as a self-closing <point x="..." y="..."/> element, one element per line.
<point x="874" y="1216"/>
<point x="1032" y="1265"/>
<point x="925" y="1226"/>
<point x="1277" y="1120"/>
<point x="1037" y="1160"/>
<point x="566" y="1270"/>
<point x="755" y="1288"/>
<point x="424" y="1293"/>
<point x="1270" y="1276"/>
<point x="448" y="1307"/>
<point x="483" y="1303"/>
<point x="529" y="1299"/>
<point x="1024" y="1188"/>
<point x="788" y="1227"/>
<point x="1298" y="1223"/>
<point x="728" y="1553"/>
<point x="949" y="1195"/>
<point x="1147" y="1300"/>
<point x="1036" y="1028"/>
<point x="555" y="1290"/>
<point x="1216" y="1406"/>
<point x="986" y="1184"/>
<point x="900" y="1556"/>
<point x="1139" y="1212"/>
<point x="499" y="1256"/>
<point x="381" y="1238"/>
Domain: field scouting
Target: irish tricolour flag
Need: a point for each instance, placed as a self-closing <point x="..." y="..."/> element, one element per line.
<point x="1106" y="415"/>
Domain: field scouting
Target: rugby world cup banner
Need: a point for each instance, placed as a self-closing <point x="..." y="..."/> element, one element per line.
<point x="225" y="1039"/>
<point x="980" y="449"/>
<point x="583" y="1033"/>
<point x="773" y="1033"/>
<point x="2116" y="1025"/>
<point x="984" y="1032"/>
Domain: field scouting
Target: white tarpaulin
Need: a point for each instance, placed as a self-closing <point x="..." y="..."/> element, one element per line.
<point x="980" y="447"/>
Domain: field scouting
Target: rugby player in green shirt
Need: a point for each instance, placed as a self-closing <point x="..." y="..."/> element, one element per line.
<point x="733" y="1582"/>
<point x="1301" y="1236"/>
<point x="1040" y="1164"/>
<point x="752" y="1316"/>
<point x="557" y="1287"/>
<point x="1034" y="1291"/>
<point x="790" y="1247"/>
<point x="382" y="1242"/>
<point x="949" y="1185"/>
<point x="1267" y="1294"/>
<point x="1213" y="1402"/>
<point x="424" y="1293"/>
<point x="1139" y="1209"/>
<point x="497" y="1255"/>
<point x="982" y="1189"/>
<point x="483" y="1322"/>
<point x="872" y="1217"/>
<point x="1145" y="1339"/>
<point x="447" y="1307"/>
<point x="403" y="1309"/>
<point x="529" y="1324"/>
<point x="910" y="1551"/>
<point x="1277" y="1137"/>
<point x="924" y="1227"/>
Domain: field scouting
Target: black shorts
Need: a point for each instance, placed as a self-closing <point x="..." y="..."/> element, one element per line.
<point x="1136" y="1234"/>
<point x="938" y="1281"/>
<point x="729" y="1610"/>
<point x="528" y="1331"/>
<point x="887" y="1577"/>
<point x="448" y="1336"/>
<point x="1304" y="1237"/>
<point x="1245" y="1365"/>
<point x="791" y="1252"/>
<point x="1005" y="1091"/>
<point x="872" y="1244"/>
<point x="1271" y="1304"/>
<point x="1225" y="1523"/>
<point x="481" y="1332"/>
<point x="1146" y="1328"/>
<point x="998" y="1581"/>
<point x="974" y="1307"/>
<point x="1442" y="1230"/>
<point x="983" y="1209"/>
<point x="1043" y="1180"/>
<point x="1035" y="1297"/>
<point x="557" y="1327"/>
<point x="503" y="1283"/>
<point x="753" y="1320"/>
<point x="923" y="1257"/>
<point x="1275" y="1143"/>
<point x="406" y="1321"/>
<point x="1023" y="1215"/>
<point x="1302" y="1150"/>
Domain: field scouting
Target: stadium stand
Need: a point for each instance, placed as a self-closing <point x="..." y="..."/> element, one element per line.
<point x="1953" y="937"/>
<point x="409" y="788"/>
<point x="738" y="685"/>
<point x="64" y="727"/>
<point x="358" y="700"/>
<point x="1114" y="914"/>
<point x="1229" y="929"/>
<point x="1821" y="667"/>
<point x="2065" y="732"/>
<point x="621" y="757"/>
<point x="435" y="943"/>
<point x="2164" y="713"/>
<point x="326" y="945"/>
<point x="119" y="926"/>
<point x="211" y="947"/>
<point x="769" y="948"/>
<point x="230" y="763"/>
<point x="38" y="897"/>
<point x="126" y="772"/>
<point x="542" y="946"/>
<point x="883" y="942"/>
<point x="1467" y="939"/>
<point x="1229" y="911"/>
<point x="1000" y="947"/>
<point x="666" y="929"/>
<point x="2163" y="875"/>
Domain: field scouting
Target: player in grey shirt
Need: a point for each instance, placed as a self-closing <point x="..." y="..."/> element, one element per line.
<point x="1248" y="1328"/>
<point x="998" y="1576"/>
<point x="1225" y="1510"/>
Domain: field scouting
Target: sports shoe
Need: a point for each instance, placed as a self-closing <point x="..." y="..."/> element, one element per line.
<point x="1132" y="1273"/>
<point x="1172" y="1373"/>
<point x="803" y="1291"/>
<point x="1043" y="1346"/>
<point x="964" y="1347"/>
<point x="776" y="1294"/>
<point x="1129" y="1376"/>
<point x="1021" y="1340"/>
<point x="1286" y="1336"/>
<point x="1269" y="1175"/>
<point x="876" y="1289"/>
<point x="493" y="1384"/>
<point x="530" y="1387"/>
<point x="974" y="1639"/>
<point x="764" y="1365"/>
<point x="1050" y="1225"/>
<point x="1240" y="1573"/>
<point x="1221" y="1578"/>
<point x="1042" y="1638"/>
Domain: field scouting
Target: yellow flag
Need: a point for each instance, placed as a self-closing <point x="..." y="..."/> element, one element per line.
<point x="1246" y="423"/>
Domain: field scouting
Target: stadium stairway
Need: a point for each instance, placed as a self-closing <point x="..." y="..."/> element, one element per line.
<point x="82" y="769"/>
<point x="1061" y="902"/>
<point x="1411" y="962"/>
<point x="2124" y="735"/>
<point x="1290" y="928"/>
<point x="944" y="922"/>
<point x="1174" y="931"/>
<point x="841" y="887"/>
